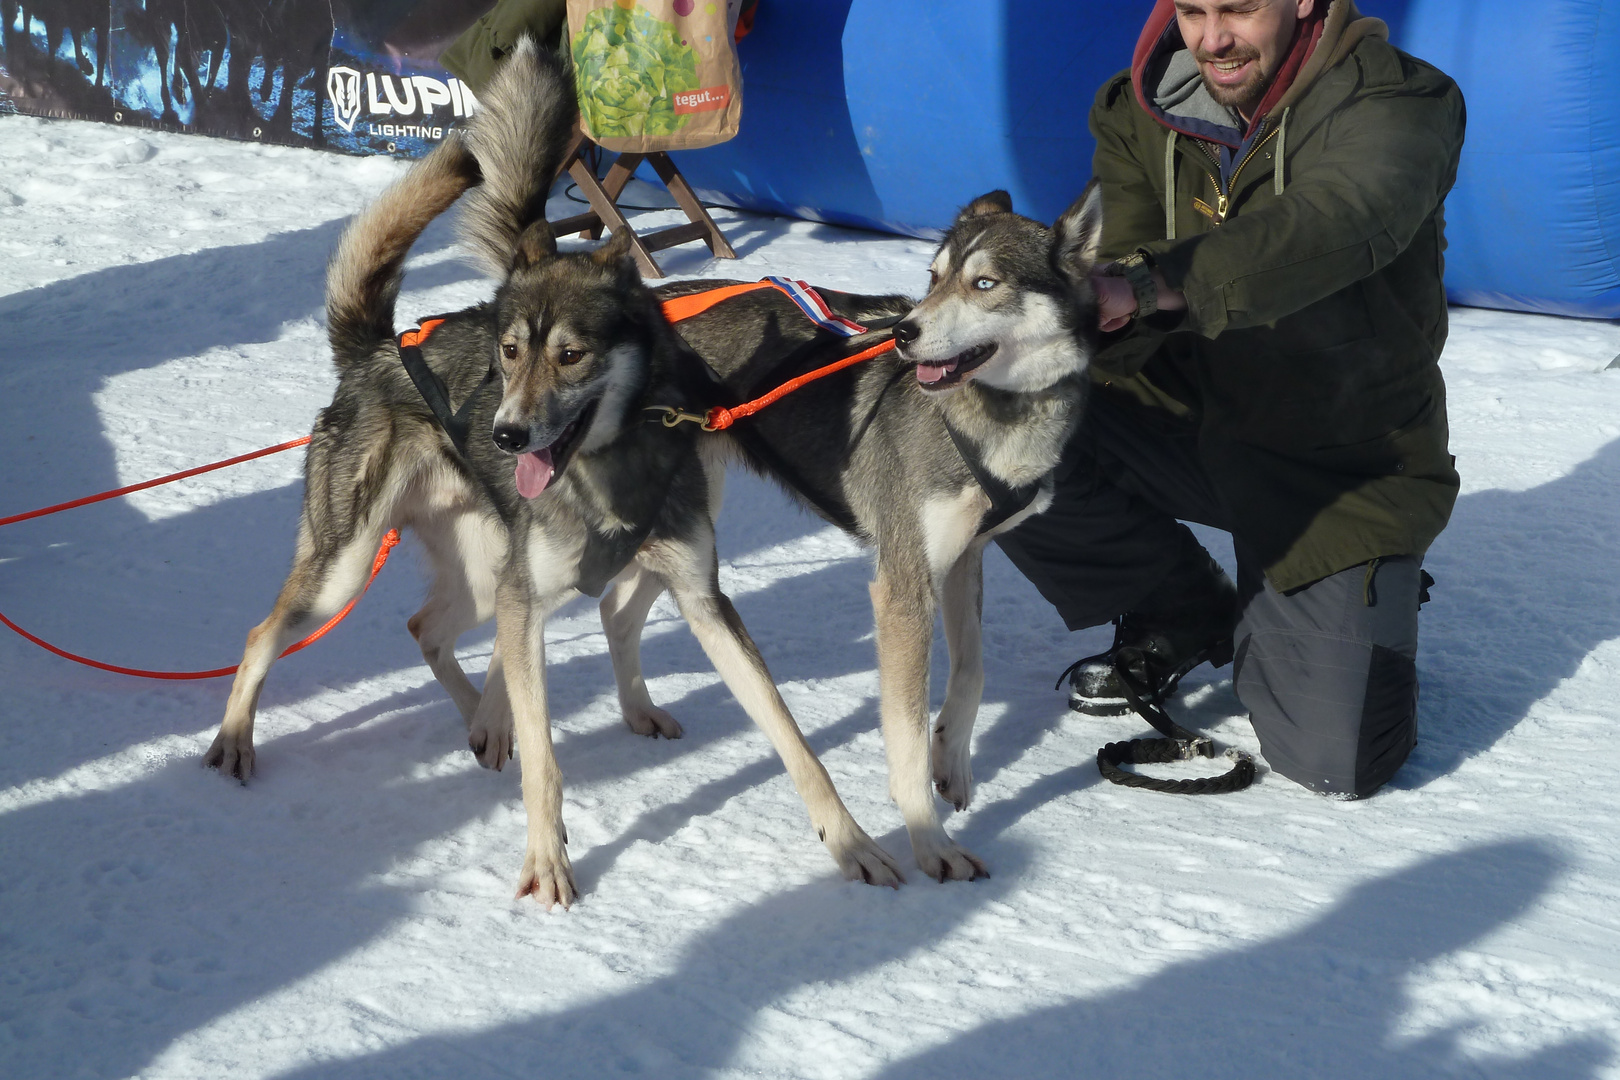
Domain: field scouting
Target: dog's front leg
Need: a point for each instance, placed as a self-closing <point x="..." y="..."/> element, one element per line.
<point x="953" y="731"/>
<point x="624" y="613"/>
<point x="902" y="604"/>
<point x="691" y="572"/>
<point x="520" y="635"/>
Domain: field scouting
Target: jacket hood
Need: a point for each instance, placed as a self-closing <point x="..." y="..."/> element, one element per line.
<point x="1170" y="88"/>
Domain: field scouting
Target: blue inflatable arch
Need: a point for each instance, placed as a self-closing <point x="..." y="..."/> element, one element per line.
<point x="890" y="114"/>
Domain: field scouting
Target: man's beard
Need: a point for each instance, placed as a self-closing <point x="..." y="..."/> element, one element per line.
<point x="1245" y="95"/>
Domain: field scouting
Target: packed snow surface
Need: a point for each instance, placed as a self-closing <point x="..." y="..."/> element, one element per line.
<point x="349" y="913"/>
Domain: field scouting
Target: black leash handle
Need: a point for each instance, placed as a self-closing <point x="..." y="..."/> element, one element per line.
<point x="1179" y="744"/>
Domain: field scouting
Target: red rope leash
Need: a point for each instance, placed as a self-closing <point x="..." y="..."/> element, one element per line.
<point x="376" y="567"/>
<point x="143" y="485"/>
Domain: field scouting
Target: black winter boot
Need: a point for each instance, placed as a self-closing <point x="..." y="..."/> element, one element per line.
<point x="1163" y="638"/>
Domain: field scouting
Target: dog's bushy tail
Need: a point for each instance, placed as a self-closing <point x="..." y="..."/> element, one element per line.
<point x="519" y="134"/>
<point x="362" y="280"/>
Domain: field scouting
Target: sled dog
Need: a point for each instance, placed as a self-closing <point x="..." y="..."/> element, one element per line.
<point x="926" y="454"/>
<point x="563" y="488"/>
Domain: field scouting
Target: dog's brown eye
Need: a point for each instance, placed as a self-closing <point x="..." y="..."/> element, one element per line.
<point x="509" y="350"/>
<point x="572" y="356"/>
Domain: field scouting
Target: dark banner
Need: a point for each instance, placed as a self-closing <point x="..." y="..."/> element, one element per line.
<point x="359" y="77"/>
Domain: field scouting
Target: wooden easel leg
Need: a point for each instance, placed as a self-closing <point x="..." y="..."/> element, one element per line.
<point x="609" y="216"/>
<point x="687" y="200"/>
<point x="603" y="196"/>
<point x="613" y="184"/>
<point x="575" y="154"/>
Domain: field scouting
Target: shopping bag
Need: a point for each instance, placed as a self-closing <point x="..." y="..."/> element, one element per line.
<point x="656" y="74"/>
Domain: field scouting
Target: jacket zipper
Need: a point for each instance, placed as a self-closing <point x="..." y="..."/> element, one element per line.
<point x="1223" y="200"/>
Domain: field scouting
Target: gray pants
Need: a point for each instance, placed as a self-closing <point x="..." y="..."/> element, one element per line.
<point x="1327" y="672"/>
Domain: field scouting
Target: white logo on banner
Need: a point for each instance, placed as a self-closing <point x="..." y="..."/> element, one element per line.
<point x="343" y="87"/>
<point x="382" y="96"/>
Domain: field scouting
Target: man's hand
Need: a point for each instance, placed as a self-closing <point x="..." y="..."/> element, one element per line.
<point x="1116" y="300"/>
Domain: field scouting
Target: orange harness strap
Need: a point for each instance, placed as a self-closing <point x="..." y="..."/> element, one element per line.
<point x="420" y="334"/>
<point x="692" y="304"/>
<point x="719" y="417"/>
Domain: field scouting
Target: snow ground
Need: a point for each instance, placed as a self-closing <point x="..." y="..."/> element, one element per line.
<point x="348" y="914"/>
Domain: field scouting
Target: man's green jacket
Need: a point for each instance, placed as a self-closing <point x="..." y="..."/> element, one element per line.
<point x="1307" y="356"/>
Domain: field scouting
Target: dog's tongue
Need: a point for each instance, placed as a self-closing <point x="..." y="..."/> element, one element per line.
<point x="533" y="472"/>
<point x="932" y="373"/>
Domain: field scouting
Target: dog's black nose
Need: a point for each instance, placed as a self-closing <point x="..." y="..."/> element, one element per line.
<point x="511" y="438"/>
<point x="906" y="332"/>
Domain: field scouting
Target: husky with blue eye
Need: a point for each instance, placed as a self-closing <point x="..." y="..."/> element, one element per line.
<point x="925" y="454"/>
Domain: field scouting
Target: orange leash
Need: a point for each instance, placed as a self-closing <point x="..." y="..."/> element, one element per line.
<point x="719" y="418"/>
<point x="376" y="567"/>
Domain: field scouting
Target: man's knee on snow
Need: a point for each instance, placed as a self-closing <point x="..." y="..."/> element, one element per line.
<point x="1329" y="677"/>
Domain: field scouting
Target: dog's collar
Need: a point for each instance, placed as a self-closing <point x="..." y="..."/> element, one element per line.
<point x="455" y="422"/>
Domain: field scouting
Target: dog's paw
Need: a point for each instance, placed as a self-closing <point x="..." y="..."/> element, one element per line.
<point x="548" y="877"/>
<point x="652" y="721"/>
<point x="231" y="755"/>
<point x="861" y="859"/>
<point x="949" y="861"/>
<point x="953" y="774"/>
<point x="491" y="744"/>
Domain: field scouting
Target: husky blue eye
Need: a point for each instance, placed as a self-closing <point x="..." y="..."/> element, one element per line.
<point x="985" y="283"/>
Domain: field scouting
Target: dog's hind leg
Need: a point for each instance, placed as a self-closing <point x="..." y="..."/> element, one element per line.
<point x="963" y="606"/>
<point x="624" y="613"/>
<point x="902" y="604"/>
<point x="490" y="733"/>
<point x="691" y="571"/>
<point x="323" y="579"/>
<point x="450" y="611"/>
<point x="466" y="552"/>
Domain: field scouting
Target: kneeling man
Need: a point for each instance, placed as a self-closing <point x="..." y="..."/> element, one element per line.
<point x="1273" y="174"/>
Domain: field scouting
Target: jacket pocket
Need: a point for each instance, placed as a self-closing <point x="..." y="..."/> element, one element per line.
<point x="1414" y="448"/>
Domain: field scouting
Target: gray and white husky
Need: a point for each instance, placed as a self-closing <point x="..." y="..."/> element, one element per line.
<point x="563" y="488"/>
<point x="926" y="454"/>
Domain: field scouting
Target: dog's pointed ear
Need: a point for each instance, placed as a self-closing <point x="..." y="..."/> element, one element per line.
<point x="994" y="202"/>
<point x="616" y="250"/>
<point x="535" y="246"/>
<point x="1077" y="236"/>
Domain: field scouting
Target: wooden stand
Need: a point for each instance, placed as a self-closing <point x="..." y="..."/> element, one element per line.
<point x="604" y="213"/>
